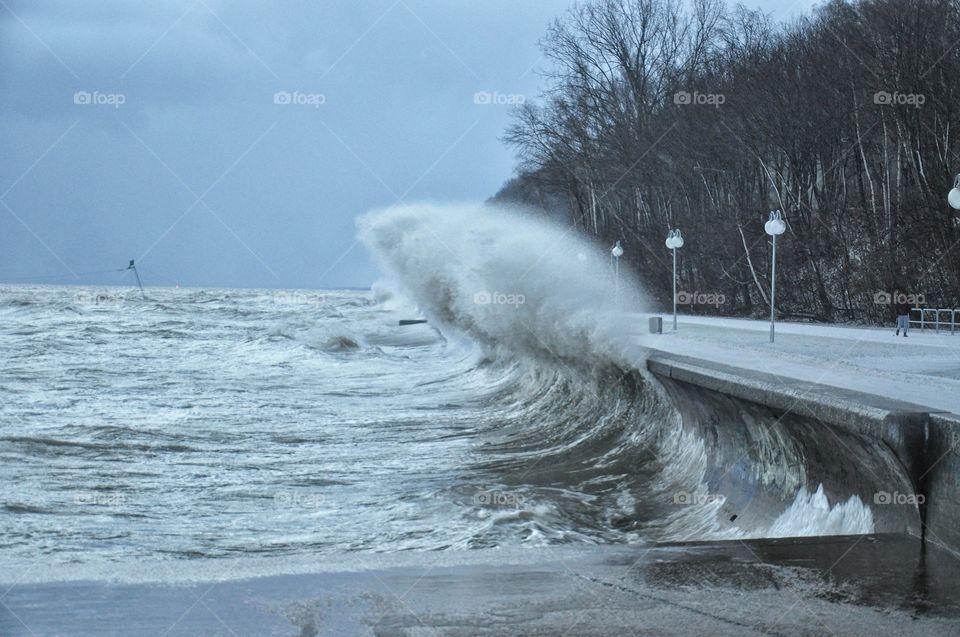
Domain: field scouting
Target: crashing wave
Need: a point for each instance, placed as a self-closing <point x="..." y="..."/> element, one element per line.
<point x="577" y="424"/>
<point x="505" y="278"/>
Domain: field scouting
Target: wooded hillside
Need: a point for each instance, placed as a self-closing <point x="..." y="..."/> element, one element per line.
<point x="659" y="114"/>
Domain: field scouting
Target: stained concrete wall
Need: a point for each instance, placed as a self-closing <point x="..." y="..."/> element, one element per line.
<point x="925" y="441"/>
<point x="941" y="481"/>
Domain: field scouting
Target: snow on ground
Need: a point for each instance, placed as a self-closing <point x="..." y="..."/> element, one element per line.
<point x="923" y="368"/>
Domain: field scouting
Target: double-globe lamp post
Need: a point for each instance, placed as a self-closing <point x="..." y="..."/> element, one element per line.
<point x="674" y="241"/>
<point x="774" y="227"/>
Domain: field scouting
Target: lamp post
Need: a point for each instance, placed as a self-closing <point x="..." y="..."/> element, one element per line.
<point x="616" y="252"/>
<point x="674" y="241"/>
<point x="774" y="227"/>
<point x="953" y="197"/>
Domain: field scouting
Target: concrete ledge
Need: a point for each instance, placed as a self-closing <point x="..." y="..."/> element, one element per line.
<point x="925" y="440"/>
<point x="864" y="412"/>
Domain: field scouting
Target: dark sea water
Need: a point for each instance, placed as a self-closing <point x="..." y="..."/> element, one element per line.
<point x="205" y="425"/>
<point x="230" y="422"/>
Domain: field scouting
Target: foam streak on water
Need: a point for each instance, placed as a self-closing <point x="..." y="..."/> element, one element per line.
<point x="225" y="422"/>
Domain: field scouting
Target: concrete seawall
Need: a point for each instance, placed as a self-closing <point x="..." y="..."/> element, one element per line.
<point x="924" y="440"/>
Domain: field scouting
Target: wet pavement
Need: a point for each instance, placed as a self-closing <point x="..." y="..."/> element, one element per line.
<point x="858" y="585"/>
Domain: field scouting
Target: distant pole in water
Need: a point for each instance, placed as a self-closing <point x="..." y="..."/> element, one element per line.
<point x="774" y="227"/>
<point x="133" y="267"/>
<point x="617" y="252"/>
<point x="674" y="241"/>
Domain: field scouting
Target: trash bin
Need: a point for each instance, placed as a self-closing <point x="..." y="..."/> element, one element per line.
<point x="656" y="325"/>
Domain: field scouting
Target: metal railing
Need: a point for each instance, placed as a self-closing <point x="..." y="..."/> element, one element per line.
<point x="935" y="318"/>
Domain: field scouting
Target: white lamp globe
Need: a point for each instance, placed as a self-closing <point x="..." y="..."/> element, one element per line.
<point x="954" y="196"/>
<point x="775" y="224"/>
<point x="617" y="250"/>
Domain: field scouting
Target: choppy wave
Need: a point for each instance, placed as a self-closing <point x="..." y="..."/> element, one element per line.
<point x="582" y="439"/>
<point x="278" y="423"/>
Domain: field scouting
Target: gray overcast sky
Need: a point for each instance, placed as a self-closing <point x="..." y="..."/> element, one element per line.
<point x="201" y="175"/>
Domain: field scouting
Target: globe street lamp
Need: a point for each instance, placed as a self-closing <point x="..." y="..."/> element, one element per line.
<point x="774" y="227"/>
<point x="616" y="252"/>
<point x="674" y="241"/>
<point x="953" y="197"/>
